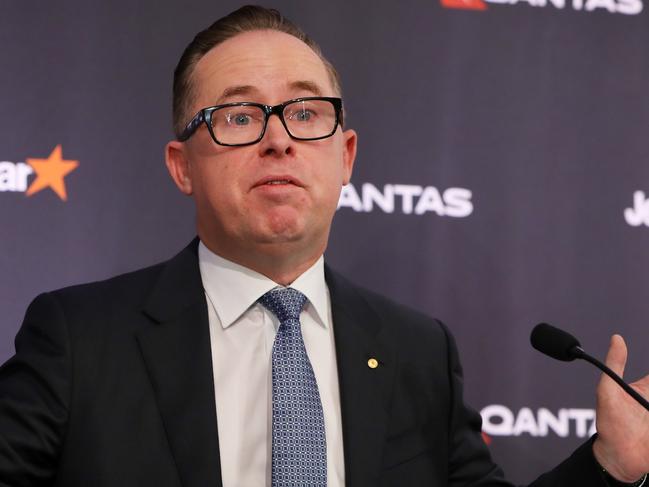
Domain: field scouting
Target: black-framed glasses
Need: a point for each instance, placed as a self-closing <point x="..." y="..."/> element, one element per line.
<point x="244" y="123"/>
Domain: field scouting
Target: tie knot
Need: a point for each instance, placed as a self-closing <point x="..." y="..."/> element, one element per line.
<point x="285" y="303"/>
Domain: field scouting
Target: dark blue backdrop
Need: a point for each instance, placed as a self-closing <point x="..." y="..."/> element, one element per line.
<point x="508" y="204"/>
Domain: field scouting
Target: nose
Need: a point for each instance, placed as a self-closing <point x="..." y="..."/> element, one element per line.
<point x="276" y="141"/>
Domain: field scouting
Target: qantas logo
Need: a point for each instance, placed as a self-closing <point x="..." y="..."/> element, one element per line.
<point x="465" y="4"/>
<point x="47" y="173"/>
<point x="407" y="199"/>
<point x="625" y="7"/>
<point x="499" y="420"/>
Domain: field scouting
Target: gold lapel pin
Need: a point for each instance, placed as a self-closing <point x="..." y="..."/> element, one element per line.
<point x="372" y="363"/>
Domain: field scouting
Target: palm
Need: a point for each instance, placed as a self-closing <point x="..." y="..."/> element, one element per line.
<point x="622" y="424"/>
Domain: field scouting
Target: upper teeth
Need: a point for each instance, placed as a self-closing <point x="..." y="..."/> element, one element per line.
<point x="280" y="181"/>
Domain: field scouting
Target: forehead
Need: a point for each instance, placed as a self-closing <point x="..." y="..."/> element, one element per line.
<point x="268" y="64"/>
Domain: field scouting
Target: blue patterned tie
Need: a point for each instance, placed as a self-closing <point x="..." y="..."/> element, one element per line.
<point x="299" y="443"/>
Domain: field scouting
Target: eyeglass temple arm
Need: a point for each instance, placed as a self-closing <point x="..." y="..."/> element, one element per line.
<point x="191" y="127"/>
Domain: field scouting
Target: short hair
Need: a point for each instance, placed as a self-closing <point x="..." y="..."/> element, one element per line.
<point x="245" y="19"/>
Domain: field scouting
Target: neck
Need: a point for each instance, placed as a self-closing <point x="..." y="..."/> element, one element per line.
<point x="281" y="262"/>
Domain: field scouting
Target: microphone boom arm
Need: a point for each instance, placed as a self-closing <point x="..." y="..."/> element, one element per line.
<point x="578" y="352"/>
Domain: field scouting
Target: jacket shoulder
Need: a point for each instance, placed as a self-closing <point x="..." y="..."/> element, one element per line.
<point x="396" y="317"/>
<point x="132" y="289"/>
<point x="128" y="287"/>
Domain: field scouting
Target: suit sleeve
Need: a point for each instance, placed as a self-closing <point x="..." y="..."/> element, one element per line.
<point x="470" y="463"/>
<point x="34" y="396"/>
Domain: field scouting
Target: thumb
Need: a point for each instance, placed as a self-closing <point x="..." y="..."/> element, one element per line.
<point x="616" y="356"/>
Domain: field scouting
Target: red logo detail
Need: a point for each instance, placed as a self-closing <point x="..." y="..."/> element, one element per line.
<point x="465" y="4"/>
<point x="486" y="438"/>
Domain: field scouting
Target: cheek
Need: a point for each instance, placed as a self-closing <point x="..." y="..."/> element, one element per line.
<point x="217" y="185"/>
<point x="328" y="190"/>
<point x="334" y="174"/>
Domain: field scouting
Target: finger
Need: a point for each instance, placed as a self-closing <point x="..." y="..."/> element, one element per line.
<point x="617" y="354"/>
<point x="642" y="385"/>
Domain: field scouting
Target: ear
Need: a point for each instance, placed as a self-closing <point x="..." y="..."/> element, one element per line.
<point x="178" y="166"/>
<point x="350" y="140"/>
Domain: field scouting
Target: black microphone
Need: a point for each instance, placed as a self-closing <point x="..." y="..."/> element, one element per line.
<point x="561" y="345"/>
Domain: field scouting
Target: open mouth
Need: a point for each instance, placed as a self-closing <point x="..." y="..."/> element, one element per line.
<point x="278" y="181"/>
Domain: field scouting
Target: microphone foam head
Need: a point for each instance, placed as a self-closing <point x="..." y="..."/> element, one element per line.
<point x="554" y="342"/>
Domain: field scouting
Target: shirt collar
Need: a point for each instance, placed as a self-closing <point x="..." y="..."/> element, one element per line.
<point x="233" y="288"/>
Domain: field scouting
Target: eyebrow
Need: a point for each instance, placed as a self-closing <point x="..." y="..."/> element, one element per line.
<point x="235" y="91"/>
<point x="306" y="86"/>
<point x="245" y="90"/>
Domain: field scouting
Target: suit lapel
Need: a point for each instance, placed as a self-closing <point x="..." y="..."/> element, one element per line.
<point x="364" y="391"/>
<point x="177" y="354"/>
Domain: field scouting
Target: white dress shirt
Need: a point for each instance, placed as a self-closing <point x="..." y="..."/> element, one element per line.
<point x="242" y="334"/>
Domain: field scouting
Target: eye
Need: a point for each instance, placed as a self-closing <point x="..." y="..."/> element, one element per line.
<point x="303" y="115"/>
<point x="239" y="119"/>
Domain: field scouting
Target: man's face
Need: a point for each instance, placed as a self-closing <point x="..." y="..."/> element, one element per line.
<point x="238" y="211"/>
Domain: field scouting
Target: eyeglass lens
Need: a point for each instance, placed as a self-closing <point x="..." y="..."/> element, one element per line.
<point x="241" y="124"/>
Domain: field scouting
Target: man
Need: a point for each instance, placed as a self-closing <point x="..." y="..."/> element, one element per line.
<point x="197" y="372"/>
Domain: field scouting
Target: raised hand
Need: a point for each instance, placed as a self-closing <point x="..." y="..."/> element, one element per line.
<point x="622" y="446"/>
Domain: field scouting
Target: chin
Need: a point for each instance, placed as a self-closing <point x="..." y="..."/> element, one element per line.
<point x="279" y="237"/>
<point x="282" y="226"/>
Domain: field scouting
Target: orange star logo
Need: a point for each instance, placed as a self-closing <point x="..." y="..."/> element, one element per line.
<point x="50" y="173"/>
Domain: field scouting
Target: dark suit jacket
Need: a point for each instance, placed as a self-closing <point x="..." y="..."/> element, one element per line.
<point x="111" y="385"/>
